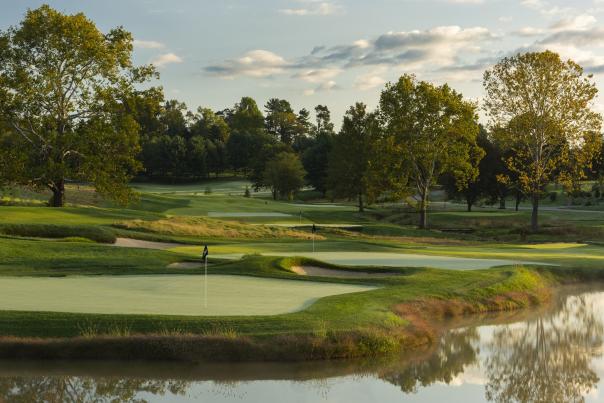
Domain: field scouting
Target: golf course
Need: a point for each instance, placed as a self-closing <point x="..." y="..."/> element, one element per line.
<point x="103" y="276"/>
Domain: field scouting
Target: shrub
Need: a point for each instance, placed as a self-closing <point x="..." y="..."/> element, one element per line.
<point x="97" y="234"/>
<point x="247" y="192"/>
<point x="208" y="190"/>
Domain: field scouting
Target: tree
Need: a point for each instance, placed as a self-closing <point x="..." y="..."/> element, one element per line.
<point x="281" y="121"/>
<point x="485" y="185"/>
<point x="247" y="134"/>
<point x="598" y="169"/>
<point x="353" y="150"/>
<point x="284" y="175"/>
<point x="323" y="117"/>
<point x="213" y="129"/>
<point x="316" y="161"/>
<point x="209" y="125"/>
<point x="315" y="157"/>
<point x="266" y="150"/>
<point x="63" y="89"/>
<point x="434" y="129"/>
<point x="245" y="117"/>
<point x="540" y="107"/>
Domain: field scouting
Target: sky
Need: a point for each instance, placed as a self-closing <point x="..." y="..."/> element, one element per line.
<point x="210" y="53"/>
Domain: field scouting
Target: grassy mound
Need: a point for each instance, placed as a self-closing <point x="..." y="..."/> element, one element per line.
<point x="96" y="234"/>
<point x="209" y="227"/>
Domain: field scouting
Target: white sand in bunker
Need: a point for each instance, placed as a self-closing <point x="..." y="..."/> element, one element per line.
<point x="383" y="259"/>
<point x="137" y="243"/>
<point x="246" y="214"/>
<point x="164" y="294"/>
<point x="323" y="272"/>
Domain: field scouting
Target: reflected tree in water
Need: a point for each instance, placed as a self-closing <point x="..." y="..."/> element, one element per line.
<point x="455" y="351"/>
<point x="545" y="360"/>
<point x="83" y="389"/>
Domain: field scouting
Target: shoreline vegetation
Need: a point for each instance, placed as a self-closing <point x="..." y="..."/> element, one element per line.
<point x="416" y="325"/>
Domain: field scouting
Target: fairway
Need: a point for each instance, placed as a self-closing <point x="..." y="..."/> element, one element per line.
<point x="164" y="295"/>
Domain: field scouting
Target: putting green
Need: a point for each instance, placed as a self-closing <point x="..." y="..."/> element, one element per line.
<point x="164" y="295"/>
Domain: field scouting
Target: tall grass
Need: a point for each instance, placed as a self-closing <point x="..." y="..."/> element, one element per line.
<point x="93" y="233"/>
<point x="209" y="227"/>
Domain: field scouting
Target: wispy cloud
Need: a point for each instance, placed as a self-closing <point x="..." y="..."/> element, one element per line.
<point x="256" y="63"/>
<point x="545" y="8"/>
<point x="165" y="59"/>
<point x="310" y="7"/>
<point x="147" y="44"/>
<point x="370" y="80"/>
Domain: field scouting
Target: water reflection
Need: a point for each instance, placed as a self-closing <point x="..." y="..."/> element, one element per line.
<point x="74" y="389"/>
<point x="549" y="356"/>
<point x="548" y="359"/>
<point x="456" y="350"/>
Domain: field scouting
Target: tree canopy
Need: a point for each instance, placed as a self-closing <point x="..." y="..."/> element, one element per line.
<point x="434" y="132"/>
<point x="540" y="107"/>
<point x="63" y="89"/>
<point x="284" y="175"/>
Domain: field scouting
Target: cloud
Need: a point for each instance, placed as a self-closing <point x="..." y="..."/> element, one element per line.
<point x="147" y="44"/>
<point x="314" y="8"/>
<point x="165" y="59"/>
<point x="579" y="24"/>
<point x="545" y="8"/>
<point x="256" y="63"/>
<point x="576" y="23"/>
<point x="317" y="75"/>
<point x="529" y="31"/>
<point x="413" y="49"/>
<point x="326" y="86"/>
<point x="577" y="38"/>
<point x="466" y="1"/>
<point x="403" y="50"/>
<point x="369" y="81"/>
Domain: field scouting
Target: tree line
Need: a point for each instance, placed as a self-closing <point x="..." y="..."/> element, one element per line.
<point x="71" y="108"/>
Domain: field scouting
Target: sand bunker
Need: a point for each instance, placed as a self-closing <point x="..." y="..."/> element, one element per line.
<point x="137" y="243"/>
<point x="185" y="265"/>
<point x="383" y="259"/>
<point x="246" y="214"/>
<point x="323" y="272"/>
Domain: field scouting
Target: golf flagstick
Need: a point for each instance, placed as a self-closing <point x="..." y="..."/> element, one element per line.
<point x="205" y="284"/>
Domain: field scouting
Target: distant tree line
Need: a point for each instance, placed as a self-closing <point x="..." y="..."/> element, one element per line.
<point x="71" y="108"/>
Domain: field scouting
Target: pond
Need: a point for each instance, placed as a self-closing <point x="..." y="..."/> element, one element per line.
<point x="553" y="354"/>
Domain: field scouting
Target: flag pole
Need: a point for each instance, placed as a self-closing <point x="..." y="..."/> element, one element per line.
<point x="205" y="284"/>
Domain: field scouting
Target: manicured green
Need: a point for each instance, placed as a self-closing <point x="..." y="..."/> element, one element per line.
<point x="386" y="229"/>
<point x="165" y="295"/>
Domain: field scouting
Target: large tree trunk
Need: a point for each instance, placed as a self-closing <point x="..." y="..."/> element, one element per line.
<point x="470" y="207"/>
<point x="58" y="194"/>
<point x="423" y="210"/>
<point x="518" y="199"/>
<point x="535" y="213"/>
<point x="361" y="206"/>
<point x="502" y="203"/>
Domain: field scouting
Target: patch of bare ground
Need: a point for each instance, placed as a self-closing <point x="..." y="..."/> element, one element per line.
<point x="323" y="272"/>
<point x="185" y="265"/>
<point x="137" y="243"/>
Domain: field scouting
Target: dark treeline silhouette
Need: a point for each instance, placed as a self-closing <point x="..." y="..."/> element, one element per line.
<point x="279" y="149"/>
